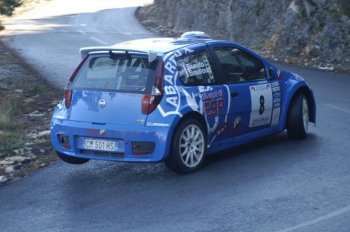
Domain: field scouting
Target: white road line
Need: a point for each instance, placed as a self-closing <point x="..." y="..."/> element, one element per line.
<point x="98" y="40"/>
<point x="82" y="32"/>
<point x="338" y="108"/>
<point x="317" y="220"/>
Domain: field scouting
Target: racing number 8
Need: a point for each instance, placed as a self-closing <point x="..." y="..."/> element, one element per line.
<point x="262" y="105"/>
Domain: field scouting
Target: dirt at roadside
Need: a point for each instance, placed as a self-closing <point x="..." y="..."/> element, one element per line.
<point x="26" y="105"/>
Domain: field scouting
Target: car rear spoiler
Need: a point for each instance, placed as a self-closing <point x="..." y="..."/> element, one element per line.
<point x="86" y="50"/>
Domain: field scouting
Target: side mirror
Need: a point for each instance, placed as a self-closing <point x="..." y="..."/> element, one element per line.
<point x="271" y="74"/>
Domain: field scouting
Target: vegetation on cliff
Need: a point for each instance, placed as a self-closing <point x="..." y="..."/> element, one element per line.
<point x="7" y="7"/>
<point x="310" y="32"/>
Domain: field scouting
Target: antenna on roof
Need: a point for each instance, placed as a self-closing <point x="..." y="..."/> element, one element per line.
<point x="195" y="35"/>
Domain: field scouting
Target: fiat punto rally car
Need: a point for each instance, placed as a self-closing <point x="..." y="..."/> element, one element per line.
<point x="175" y="100"/>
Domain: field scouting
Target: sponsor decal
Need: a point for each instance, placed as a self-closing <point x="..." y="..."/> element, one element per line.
<point x="276" y="110"/>
<point x="274" y="84"/>
<point x="157" y="124"/>
<point x="210" y="95"/>
<point x="275" y="116"/>
<point x="196" y="69"/>
<point x="212" y="102"/>
<point x="276" y="95"/>
<point x="261" y="105"/>
<point x="172" y="92"/>
<point x="266" y="104"/>
<point x="276" y="100"/>
<point x="216" y="130"/>
<point x="140" y="121"/>
<point x="214" y="107"/>
<point x="276" y="88"/>
<point x="237" y="123"/>
<point x="276" y="105"/>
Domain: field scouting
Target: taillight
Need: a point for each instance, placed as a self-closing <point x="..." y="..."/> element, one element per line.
<point x="68" y="91"/>
<point x="68" y="95"/>
<point x="151" y="101"/>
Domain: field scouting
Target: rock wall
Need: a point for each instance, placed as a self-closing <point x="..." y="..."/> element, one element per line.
<point x="311" y="32"/>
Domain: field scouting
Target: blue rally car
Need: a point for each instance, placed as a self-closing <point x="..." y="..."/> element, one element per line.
<point x="175" y="100"/>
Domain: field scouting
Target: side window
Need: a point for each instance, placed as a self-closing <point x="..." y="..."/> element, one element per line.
<point x="239" y="66"/>
<point x="195" y="69"/>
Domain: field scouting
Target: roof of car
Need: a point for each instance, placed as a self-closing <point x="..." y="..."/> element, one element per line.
<point x="161" y="45"/>
<point x="153" y="46"/>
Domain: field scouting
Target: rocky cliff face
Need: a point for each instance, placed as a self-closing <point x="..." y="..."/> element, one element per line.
<point x="312" y="32"/>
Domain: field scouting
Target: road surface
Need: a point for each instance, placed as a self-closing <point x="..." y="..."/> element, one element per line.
<point x="273" y="185"/>
<point x="49" y="37"/>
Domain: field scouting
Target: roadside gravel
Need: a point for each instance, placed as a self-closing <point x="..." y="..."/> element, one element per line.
<point x="26" y="103"/>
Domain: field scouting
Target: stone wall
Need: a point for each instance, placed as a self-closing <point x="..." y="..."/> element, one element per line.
<point x="311" y="32"/>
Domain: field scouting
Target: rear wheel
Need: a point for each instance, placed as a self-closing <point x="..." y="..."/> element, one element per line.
<point x="71" y="159"/>
<point x="188" y="148"/>
<point x="298" y="118"/>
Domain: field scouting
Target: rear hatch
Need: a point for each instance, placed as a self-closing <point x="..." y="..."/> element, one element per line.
<point x="109" y="88"/>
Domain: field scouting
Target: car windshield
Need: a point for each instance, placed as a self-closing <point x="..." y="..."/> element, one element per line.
<point x="117" y="72"/>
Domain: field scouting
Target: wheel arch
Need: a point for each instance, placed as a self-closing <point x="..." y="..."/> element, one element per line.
<point x="193" y="115"/>
<point x="310" y="100"/>
<point x="190" y="115"/>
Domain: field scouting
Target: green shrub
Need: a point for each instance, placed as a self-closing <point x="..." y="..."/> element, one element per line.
<point x="7" y="6"/>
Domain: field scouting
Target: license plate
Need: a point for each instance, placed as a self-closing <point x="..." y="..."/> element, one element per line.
<point x="100" y="145"/>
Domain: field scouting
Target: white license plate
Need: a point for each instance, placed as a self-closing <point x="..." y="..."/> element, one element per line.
<point x="100" y="145"/>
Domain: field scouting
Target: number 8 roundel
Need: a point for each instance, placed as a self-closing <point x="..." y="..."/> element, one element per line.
<point x="262" y="106"/>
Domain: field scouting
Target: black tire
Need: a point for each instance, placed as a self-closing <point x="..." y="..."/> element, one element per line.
<point x="296" y="126"/>
<point x="175" y="161"/>
<point x="71" y="159"/>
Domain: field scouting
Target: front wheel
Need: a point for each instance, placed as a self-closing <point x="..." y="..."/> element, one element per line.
<point x="71" y="159"/>
<point x="188" y="148"/>
<point x="298" y="118"/>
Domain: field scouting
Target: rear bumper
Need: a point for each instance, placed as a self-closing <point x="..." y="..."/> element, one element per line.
<point x="74" y="130"/>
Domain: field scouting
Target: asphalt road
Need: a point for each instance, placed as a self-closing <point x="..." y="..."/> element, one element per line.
<point x="273" y="185"/>
<point x="50" y="36"/>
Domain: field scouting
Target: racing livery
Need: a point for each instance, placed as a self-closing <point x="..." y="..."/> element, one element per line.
<point x="175" y="100"/>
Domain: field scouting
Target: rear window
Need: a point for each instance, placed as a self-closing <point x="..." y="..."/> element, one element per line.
<point x="122" y="73"/>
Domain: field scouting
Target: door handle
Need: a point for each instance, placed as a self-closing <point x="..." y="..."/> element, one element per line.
<point x="234" y="94"/>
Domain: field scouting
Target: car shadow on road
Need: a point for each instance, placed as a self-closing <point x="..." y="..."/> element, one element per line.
<point x="263" y="166"/>
<point x="270" y="146"/>
<point x="271" y="154"/>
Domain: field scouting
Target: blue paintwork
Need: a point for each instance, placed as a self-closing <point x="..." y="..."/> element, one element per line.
<point x="122" y="119"/>
<point x="125" y="133"/>
<point x="117" y="104"/>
